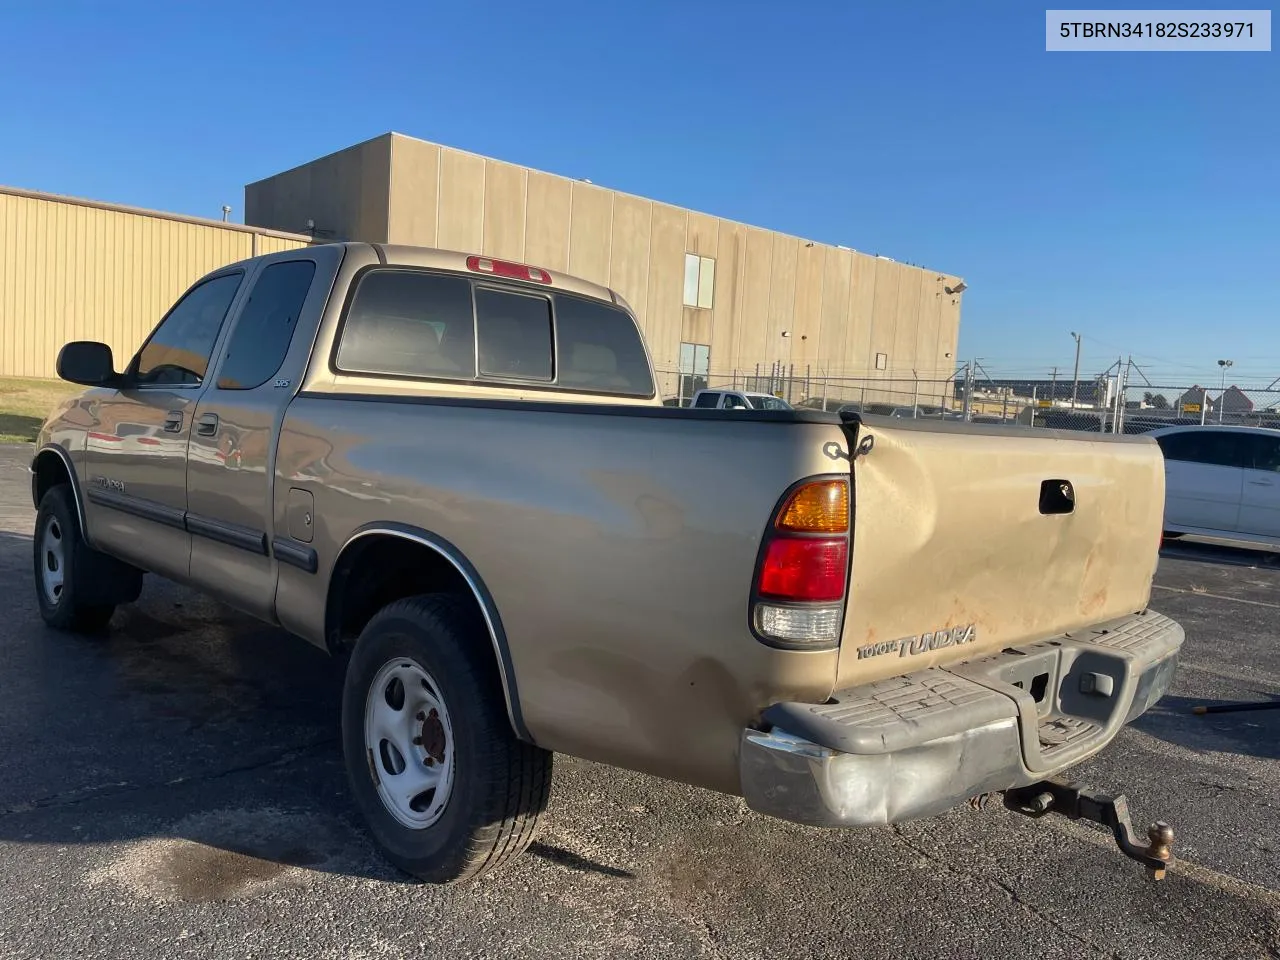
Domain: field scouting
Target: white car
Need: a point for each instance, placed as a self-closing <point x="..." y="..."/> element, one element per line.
<point x="738" y="400"/>
<point x="1222" y="482"/>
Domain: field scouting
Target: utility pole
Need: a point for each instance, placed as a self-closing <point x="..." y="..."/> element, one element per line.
<point x="1222" y="394"/>
<point x="1075" y="377"/>
<point x="968" y="391"/>
<point x="1053" y="386"/>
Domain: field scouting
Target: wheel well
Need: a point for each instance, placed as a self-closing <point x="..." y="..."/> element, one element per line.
<point x="379" y="569"/>
<point x="48" y="471"/>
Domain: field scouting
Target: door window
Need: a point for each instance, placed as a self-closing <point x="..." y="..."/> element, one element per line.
<point x="1214" y="447"/>
<point x="264" y="331"/>
<point x="1264" y="452"/>
<point x="707" y="400"/>
<point x="733" y="402"/>
<point x="179" y="348"/>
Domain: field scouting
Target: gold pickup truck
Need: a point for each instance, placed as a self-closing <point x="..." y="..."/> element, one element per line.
<point x="455" y="473"/>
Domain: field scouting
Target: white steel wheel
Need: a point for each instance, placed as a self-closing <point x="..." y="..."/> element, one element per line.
<point x="410" y="743"/>
<point x="53" y="560"/>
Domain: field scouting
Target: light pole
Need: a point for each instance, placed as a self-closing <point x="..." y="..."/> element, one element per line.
<point x="1222" y="394"/>
<point x="1075" y="377"/>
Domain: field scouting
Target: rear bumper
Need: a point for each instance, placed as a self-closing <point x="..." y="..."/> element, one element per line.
<point x="917" y="745"/>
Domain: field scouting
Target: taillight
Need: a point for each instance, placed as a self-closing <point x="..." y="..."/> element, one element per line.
<point x="804" y="567"/>
<point x="505" y="268"/>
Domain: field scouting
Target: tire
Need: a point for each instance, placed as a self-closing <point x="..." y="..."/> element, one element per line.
<point x="67" y="590"/>
<point x="427" y="661"/>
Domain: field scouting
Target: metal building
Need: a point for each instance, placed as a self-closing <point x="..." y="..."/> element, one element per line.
<point x="74" y="269"/>
<point x="716" y="299"/>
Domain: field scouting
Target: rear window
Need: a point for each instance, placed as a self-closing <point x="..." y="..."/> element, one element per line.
<point x="410" y="324"/>
<point x="513" y="335"/>
<point x="600" y="349"/>
<point x="413" y="323"/>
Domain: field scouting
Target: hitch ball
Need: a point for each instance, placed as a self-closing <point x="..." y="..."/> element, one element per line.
<point x="1160" y="845"/>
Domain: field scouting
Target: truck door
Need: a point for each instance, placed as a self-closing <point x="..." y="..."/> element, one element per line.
<point x="232" y="454"/>
<point x="136" y="453"/>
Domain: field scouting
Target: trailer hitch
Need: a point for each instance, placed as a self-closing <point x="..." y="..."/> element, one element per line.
<point x="1081" y="803"/>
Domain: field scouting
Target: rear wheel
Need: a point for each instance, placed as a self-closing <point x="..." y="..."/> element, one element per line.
<point x="447" y="790"/>
<point x="69" y="595"/>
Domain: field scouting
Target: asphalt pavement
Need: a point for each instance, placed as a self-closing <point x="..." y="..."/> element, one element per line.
<point x="175" y="790"/>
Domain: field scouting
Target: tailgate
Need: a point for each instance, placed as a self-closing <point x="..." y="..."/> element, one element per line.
<point x="958" y="548"/>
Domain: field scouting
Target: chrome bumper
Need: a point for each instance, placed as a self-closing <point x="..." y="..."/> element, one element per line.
<point x="917" y="745"/>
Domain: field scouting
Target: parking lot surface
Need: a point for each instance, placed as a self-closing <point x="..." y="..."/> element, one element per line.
<point x="175" y="790"/>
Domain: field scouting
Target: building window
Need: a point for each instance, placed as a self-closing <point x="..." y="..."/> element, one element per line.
<point x="882" y="361"/>
<point x="699" y="281"/>
<point x="695" y="362"/>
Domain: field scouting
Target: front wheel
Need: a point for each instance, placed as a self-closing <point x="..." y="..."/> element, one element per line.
<point x="64" y="568"/>
<point x="447" y="790"/>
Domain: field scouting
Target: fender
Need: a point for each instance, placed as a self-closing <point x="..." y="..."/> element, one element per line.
<point x="488" y="609"/>
<point x="54" y="449"/>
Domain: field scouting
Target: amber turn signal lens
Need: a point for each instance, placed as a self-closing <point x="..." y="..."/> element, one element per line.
<point x="818" y="507"/>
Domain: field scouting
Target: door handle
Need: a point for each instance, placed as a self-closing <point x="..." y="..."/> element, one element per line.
<point x="173" y="421"/>
<point x="208" y="425"/>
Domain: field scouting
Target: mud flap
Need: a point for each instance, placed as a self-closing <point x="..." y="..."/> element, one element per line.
<point x="1080" y="803"/>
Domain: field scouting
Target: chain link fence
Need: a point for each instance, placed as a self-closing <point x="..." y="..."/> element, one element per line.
<point x="1107" y="403"/>
<point x="811" y="387"/>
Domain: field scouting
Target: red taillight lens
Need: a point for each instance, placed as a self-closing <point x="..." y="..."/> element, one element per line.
<point x="804" y="569"/>
<point x="505" y="268"/>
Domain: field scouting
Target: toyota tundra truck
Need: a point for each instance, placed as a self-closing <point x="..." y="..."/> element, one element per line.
<point x="456" y="475"/>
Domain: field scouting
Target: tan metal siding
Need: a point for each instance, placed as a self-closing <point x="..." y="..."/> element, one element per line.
<point x="504" y="202"/>
<point x="661" y="322"/>
<point x="591" y="222"/>
<point x="270" y="244"/>
<point x="833" y="345"/>
<point x="857" y="360"/>
<point x="461" y="225"/>
<point x="807" y="315"/>
<point x="78" y="272"/>
<point x="547" y="219"/>
<point x="902" y="358"/>
<point x="782" y="297"/>
<point x="629" y="251"/>
<point x="347" y="194"/>
<point x="754" y="323"/>
<point x="884" y="312"/>
<point x="849" y="305"/>
<point x="415" y="185"/>
<point x="730" y="252"/>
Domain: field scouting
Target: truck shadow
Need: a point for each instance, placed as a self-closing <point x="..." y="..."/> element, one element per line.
<point x="204" y="744"/>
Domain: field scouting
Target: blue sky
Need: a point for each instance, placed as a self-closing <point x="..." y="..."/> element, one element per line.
<point x="1132" y="197"/>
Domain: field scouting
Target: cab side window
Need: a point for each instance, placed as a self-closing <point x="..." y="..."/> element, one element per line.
<point x="1265" y="453"/>
<point x="264" y="331"/>
<point x="1212" y="447"/>
<point x="178" y="350"/>
<point x="708" y="400"/>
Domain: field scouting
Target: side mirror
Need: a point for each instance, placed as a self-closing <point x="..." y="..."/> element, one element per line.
<point x="87" y="362"/>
